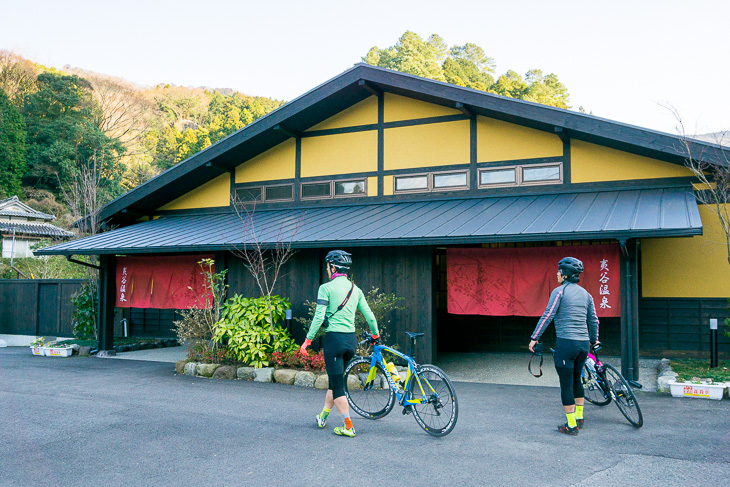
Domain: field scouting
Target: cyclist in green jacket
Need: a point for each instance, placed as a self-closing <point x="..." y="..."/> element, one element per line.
<point x="337" y="302"/>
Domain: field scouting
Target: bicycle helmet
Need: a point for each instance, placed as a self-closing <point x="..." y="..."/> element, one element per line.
<point x="339" y="259"/>
<point x="571" y="268"/>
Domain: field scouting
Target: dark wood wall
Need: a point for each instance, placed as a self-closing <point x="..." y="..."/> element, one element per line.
<point x="677" y="325"/>
<point x="404" y="271"/>
<point x="40" y="307"/>
<point x="148" y="322"/>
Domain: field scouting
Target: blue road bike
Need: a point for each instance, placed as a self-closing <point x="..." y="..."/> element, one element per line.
<point x="373" y="385"/>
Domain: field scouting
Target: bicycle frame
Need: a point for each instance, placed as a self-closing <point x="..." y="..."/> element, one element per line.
<point x="377" y="358"/>
<point x="599" y="365"/>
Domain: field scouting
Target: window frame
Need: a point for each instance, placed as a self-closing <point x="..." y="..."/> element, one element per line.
<point x="433" y="175"/>
<point x="278" y="200"/>
<point x="413" y="175"/>
<point x="349" y="195"/>
<point x="494" y="169"/>
<point x="559" y="180"/>
<point x="248" y="188"/>
<point x="307" y="198"/>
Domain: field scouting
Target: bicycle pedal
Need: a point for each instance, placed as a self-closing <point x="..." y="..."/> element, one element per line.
<point x="407" y="410"/>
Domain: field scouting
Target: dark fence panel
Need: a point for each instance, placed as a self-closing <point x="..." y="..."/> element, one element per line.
<point x="404" y="271"/>
<point x="37" y="306"/>
<point x="150" y="322"/>
<point x="681" y="324"/>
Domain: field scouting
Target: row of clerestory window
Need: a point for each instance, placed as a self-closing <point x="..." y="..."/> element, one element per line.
<point x="517" y="175"/>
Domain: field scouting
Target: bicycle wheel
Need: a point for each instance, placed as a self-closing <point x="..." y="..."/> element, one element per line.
<point x="594" y="387"/>
<point x="438" y="413"/>
<point x="623" y="396"/>
<point x="373" y="398"/>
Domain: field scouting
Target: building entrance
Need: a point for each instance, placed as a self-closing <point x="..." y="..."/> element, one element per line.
<point x="502" y="332"/>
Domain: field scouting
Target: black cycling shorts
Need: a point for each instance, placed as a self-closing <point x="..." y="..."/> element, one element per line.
<point x="339" y="349"/>
<point x="570" y="356"/>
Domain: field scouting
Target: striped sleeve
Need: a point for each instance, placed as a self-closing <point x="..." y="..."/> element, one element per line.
<point x="592" y="320"/>
<point x="549" y="313"/>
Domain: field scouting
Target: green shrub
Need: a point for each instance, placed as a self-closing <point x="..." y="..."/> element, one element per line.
<point x="86" y="308"/>
<point x="255" y="310"/>
<point x="246" y="330"/>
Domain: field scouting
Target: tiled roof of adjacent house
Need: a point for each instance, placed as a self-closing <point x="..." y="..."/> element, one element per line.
<point x="34" y="229"/>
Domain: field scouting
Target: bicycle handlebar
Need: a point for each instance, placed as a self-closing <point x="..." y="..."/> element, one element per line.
<point x="368" y="339"/>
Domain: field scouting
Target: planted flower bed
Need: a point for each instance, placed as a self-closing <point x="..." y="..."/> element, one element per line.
<point x="695" y="378"/>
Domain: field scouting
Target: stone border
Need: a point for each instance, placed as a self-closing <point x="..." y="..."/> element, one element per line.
<point x="301" y="378"/>
<point x="665" y="374"/>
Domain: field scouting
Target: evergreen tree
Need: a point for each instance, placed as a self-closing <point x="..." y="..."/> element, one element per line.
<point x="468" y="66"/>
<point x="63" y="137"/>
<point x="12" y="148"/>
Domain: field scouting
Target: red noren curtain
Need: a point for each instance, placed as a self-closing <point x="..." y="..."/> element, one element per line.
<point x="164" y="282"/>
<point x="518" y="281"/>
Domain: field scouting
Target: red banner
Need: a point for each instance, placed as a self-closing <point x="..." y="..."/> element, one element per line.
<point x="518" y="281"/>
<point x="170" y="282"/>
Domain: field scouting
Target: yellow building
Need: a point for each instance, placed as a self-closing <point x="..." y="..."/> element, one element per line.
<point x="402" y="171"/>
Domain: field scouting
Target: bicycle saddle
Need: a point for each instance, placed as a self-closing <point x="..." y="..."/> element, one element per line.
<point x="414" y="335"/>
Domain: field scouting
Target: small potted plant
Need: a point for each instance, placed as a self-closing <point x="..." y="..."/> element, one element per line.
<point x="59" y="350"/>
<point x="36" y="346"/>
<point x="697" y="387"/>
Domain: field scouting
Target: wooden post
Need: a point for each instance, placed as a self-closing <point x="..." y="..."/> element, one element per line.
<point x="107" y="299"/>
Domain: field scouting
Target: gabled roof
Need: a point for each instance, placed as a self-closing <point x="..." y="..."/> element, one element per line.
<point x="14" y="207"/>
<point x="577" y="215"/>
<point x="358" y="83"/>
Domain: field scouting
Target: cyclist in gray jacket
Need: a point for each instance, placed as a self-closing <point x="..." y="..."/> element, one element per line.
<point x="572" y="310"/>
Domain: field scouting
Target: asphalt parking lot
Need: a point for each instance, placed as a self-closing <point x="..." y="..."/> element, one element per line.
<point x="91" y="421"/>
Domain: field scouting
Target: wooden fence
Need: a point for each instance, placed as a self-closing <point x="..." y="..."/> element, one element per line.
<point x="40" y="307"/>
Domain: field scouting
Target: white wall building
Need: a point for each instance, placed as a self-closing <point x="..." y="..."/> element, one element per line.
<point x="22" y="227"/>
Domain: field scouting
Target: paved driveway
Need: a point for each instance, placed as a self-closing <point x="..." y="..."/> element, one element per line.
<point x="90" y="421"/>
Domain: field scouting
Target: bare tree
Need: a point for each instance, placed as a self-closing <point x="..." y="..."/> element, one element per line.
<point x="17" y="75"/>
<point x="122" y="112"/>
<point x="82" y="195"/>
<point x="711" y="167"/>
<point x="264" y="259"/>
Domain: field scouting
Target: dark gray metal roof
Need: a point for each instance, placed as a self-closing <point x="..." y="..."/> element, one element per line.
<point x="605" y="214"/>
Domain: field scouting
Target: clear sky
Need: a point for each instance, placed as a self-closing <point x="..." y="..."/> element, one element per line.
<point x="621" y="60"/>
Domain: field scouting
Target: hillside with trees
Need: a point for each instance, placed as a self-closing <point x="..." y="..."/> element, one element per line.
<point x="72" y="140"/>
<point x="468" y="66"/>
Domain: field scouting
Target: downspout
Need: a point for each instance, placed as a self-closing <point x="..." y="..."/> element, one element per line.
<point x="81" y="262"/>
<point x="12" y="249"/>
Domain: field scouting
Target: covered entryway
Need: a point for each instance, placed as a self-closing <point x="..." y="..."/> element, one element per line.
<point x="491" y="298"/>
